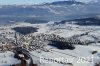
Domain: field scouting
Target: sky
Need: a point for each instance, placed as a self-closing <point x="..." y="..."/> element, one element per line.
<point x="10" y="2"/>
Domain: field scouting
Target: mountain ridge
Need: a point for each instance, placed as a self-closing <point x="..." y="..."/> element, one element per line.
<point x="55" y="11"/>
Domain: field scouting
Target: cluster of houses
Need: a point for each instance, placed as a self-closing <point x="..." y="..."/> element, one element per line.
<point x="33" y="42"/>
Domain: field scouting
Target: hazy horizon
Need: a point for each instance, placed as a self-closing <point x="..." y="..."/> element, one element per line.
<point x="30" y="2"/>
<point x="26" y="2"/>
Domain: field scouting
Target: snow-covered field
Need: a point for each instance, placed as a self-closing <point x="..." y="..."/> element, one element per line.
<point x="7" y="59"/>
<point x="82" y="55"/>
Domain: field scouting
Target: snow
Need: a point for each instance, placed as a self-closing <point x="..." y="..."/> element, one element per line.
<point x="66" y="31"/>
<point x="7" y="59"/>
<point x="80" y="51"/>
<point x="84" y="38"/>
<point x="68" y="54"/>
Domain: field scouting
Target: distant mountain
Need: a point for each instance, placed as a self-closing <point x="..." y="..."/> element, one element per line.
<point x="55" y="11"/>
<point x="70" y="2"/>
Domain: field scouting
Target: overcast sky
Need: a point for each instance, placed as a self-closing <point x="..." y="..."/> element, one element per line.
<point x="6" y="2"/>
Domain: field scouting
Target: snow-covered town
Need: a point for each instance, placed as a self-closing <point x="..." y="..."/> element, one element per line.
<point x="49" y="33"/>
<point x="69" y="41"/>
